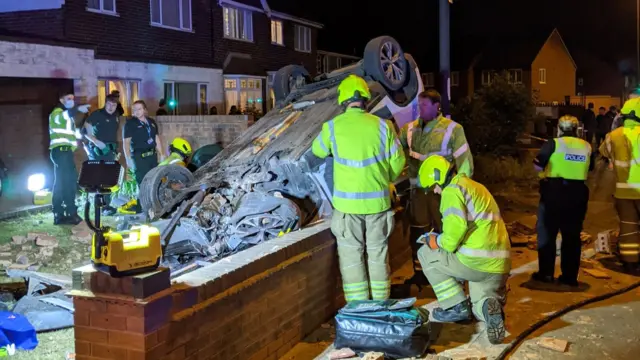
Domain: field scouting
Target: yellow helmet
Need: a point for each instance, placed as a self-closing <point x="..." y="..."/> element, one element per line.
<point x="568" y="123"/>
<point x="433" y="171"/>
<point x="181" y="146"/>
<point x="353" y="88"/>
<point x="631" y="109"/>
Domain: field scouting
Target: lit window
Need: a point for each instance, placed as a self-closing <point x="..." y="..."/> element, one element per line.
<point x="103" y="6"/>
<point x="276" y="32"/>
<point x="455" y="78"/>
<point x="487" y="77"/>
<point x="303" y="38"/>
<point x="128" y="92"/>
<point x="542" y="74"/>
<point x="174" y="14"/>
<point x="238" y="24"/>
<point x="245" y="94"/>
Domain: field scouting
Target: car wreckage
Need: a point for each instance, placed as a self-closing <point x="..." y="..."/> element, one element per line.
<point x="267" y="181"/>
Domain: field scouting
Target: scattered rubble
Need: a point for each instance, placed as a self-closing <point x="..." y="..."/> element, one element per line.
<point x="19" y="239"/>
<point x="345" y="353"/>
<point x="589" y="264"/>
<point x="606" y="242"/>
<point x="47" y="240"/>
<point x="22" y="259"/>
<point x="553" y="344"/>
<point x="465" y="354"/>
<point x="373" y="356"/>
<point x="598" y="274"/>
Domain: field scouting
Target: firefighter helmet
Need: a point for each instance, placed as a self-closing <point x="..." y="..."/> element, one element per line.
<point x="180" y="146"/>
<point x="434" y="171"/>
<point x="353" y="88"/>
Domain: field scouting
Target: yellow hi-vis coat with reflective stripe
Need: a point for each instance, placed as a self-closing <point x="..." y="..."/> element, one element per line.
<point x="366" y="158"/>
<point x="440" y="136"/>
<point x="473" y="228"/>
<point x="62" y="129"/>
<point x="622" y="147"/>
<point x="173" y="159"/>
<point x="570" y="160"/>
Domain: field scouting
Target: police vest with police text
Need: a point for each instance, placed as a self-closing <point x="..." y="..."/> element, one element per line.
<point x="570" y="160"/>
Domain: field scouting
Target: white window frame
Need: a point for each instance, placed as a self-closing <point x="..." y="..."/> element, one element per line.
<point x="239" y="89"/>
<point x="455" y="78"/>
<point x="428" y="80"/>
<point x="102" y="9"/>
<point x="173" y="95"/>
<point x="304" y="33"/>
<point x="182" y="27"/>
<point x="513" y="76"/>
<point x="542" y="76"/>
<point x="487" y="77"/>
<point x="128" y="89"/>
<point x="248" y="24"/>
<point x="277" y="32"/>
<point x="325" y="64"/>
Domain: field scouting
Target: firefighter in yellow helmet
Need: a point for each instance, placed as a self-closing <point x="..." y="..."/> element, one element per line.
<point x="367" y="157"/>
<point x="180" y="151"/>
<point x="563" y="165"/>
<point x="622" y="148"/>
<point x="473" y="246"/>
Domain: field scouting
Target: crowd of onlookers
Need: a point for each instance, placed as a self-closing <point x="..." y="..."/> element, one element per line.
<point x="598" y="126"/>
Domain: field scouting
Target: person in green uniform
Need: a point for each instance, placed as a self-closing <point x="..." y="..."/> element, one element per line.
<point x="142" y="144"/>
<point x="102" y="131"/>
<point x="367" y="158"/>
<point x="430" y="134"/>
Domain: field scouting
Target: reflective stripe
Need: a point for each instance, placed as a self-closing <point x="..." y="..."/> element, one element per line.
<point x="502" y="254"/>
<point x="383" y="155"/>
<point x="321" y="142"/>
<point x="62" y="141"/>
<point x="454" y="211"/>
<point x="361" y="195"/>
<point x="62" y="131"/>
<point x="471" y="215"/>
<point x="463" y="149"/>
<point x="628" y="185"/>
<point x="629" y="245"/>
<point x="622" y="163"/>
<point x="444" y="148"/>
<point x="174" y="161"/>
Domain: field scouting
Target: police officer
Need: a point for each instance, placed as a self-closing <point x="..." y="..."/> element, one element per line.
<point x="142" y="144"/>
<point x="474" y="246"/>
<point x="622" y="148"/>
<point x="430" y="134"/>
<point x="366" y="158"/>
<point x="563" y="165"/>
<point x="63" y="142"/>
<point x="101" y="131"/>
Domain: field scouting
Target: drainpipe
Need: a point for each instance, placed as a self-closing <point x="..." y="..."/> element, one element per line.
<point x="445" y="69"/>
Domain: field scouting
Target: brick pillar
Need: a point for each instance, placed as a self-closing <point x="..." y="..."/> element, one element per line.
<point x="122" y="319"/>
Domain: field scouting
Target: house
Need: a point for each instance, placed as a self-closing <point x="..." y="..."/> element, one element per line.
<point x="327" y="61"/>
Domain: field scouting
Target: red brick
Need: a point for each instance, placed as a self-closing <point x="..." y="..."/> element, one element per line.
<point x="108" y="352"/>
<point x="177" y="354"/>
<point x="81" y="318"/>
<point x="125" y="309"/>
<point x="89" y="304"/>
<point x="83" y="348"/>
<point x="91" y="335"/>
<point x="129" y="340"/>
<point x="108" y="321"/>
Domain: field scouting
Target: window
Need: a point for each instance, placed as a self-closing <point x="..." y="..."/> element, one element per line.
<point x="427" y="80"/>
<point x="243" y="92"/>
<point x="238" y="24"/>
<point x="303" y="38"/>
<point x="325" y="64"/>
<point x="174" y="14"/>
<point x="103" y="6"/>
<point x="487" y="77"/>
<point x="455" y="78"/>
<point x="128" y="92"/>
<point x="276" y="32"/>
<point x="188" y="98"/>
<point x="338" y="63"/>
<point x="542" y="74"/>
<point x="515" y="76"/>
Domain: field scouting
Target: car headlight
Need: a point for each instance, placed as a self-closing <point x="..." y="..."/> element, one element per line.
<point x="36" y="182"/>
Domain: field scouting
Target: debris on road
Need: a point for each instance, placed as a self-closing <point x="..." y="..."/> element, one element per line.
<point x="554" y="344"/>
<point x="19" y="239"/>
<point x="606" y="242"/>
<point x="465" y="354"/>
<point x="373" y="356"/>
<point x="589" y="264"/>
<point x="436" y="357"/>
<point x="598" y="274"/>
<point x="47" y="240"/>
<point x="526" y="224"/>
<point x="344" y="353"/>
<point x="588" y="253"/>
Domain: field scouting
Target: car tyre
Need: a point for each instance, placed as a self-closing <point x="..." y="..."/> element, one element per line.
<point x="385" y="62"/>
<point x="155" y="193"/>
<point x="289" y="78"/>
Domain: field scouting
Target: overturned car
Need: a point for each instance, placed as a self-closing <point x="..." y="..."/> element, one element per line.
<point x="267" y="181"/>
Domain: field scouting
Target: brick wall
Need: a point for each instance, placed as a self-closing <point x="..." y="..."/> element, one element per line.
<point x="202" y="130"/>
<point x="44" y="23"/>
<point x="254" y="305"/>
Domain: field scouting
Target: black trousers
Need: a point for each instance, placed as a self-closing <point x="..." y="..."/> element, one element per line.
<point x="143" y="165"/>
<point x="563" y="207"/>
<point x="99" y="157"/>
<point x="65" y="183"/>
<point x="423" y="215"/>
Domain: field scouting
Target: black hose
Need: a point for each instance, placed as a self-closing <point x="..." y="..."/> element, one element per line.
<point x="557" y="314"/>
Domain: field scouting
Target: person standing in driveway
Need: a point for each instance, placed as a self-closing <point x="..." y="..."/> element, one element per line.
<point x="605" y="122"/>
<point x="589" y="123"/>
<point x="142" y="144"/>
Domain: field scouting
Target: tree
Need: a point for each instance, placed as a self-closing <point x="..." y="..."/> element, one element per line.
<point x="495" y="115"/>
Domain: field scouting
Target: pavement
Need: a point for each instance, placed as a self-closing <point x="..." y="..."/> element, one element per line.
<point x="604" y="330"/>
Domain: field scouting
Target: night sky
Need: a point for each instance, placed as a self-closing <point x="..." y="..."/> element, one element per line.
<point x="604" y="28"/>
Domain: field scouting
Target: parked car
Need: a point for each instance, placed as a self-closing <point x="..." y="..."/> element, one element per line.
<point x="267" y="180"/>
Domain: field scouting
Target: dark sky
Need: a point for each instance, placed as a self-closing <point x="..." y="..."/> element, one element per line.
<point x="605" y="28"/>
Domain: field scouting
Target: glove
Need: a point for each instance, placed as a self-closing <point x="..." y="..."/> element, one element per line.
<point x="430" y="239"/>
<point x="84" y="108"/>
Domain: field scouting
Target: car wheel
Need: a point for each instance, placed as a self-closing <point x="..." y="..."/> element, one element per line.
<point x="384" y="61"/>
<point x="160" y="185"/>
<point x="289" y="78"/>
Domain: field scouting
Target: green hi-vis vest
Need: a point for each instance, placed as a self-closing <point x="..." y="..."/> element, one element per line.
<point x="622" y="146"/>
<point x="570" y="160"/>
<point x="473" y="228"/>
<point x="367" y="157"/>
<point x="62" y="129"/>
<point x="173" y="159"/>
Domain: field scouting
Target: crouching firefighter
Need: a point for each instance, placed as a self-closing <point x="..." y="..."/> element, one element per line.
<point x="622" y="148"/>
<point x="431" y="134"/>
<point x="563" y="165"/>
<point x="367" y="157"/>
<point x="179" y="153"/>
<point x="474" y="247"/>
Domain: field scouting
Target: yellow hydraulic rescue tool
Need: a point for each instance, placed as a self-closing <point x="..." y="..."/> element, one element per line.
<point x="132" y="252"/>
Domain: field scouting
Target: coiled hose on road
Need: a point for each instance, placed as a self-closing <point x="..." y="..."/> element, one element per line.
<point x="512" y="346"/>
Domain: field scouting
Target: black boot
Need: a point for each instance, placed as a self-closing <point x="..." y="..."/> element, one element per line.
<point x="71" y="220"/>
<point x="58" y="219"/>
<point x="542" y="278"/>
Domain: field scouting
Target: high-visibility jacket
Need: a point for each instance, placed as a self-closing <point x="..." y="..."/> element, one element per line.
<point x="441" y="136"/>
<point x="622" y="147"/>
<point x="570" y="160"/>
<point x="62" y="129"/>
<point x="173" y="159"/>
<point x="473" y="228"/>
<point x="366" y="158"/>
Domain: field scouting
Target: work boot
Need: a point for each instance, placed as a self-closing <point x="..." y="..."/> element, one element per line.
<point x="58" y="219"/>
<point x="460" y="312"/>
<point x="494" y="317"/>
<point x="72" y="220"/>
<point x="536" y="276"/>
<point x="568" y="281"/>
<point x="109" y="210"/>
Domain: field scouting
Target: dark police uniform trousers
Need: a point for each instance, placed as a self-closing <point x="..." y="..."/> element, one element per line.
<point x="65" y="183"/>
<point x="143" y="146"/>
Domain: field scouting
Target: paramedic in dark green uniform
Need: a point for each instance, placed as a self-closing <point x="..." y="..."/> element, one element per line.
<point x="142" y="144"/>
<point x="102" y="132"/>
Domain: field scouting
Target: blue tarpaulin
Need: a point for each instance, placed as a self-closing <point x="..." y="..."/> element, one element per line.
<point x="16" y="329"/>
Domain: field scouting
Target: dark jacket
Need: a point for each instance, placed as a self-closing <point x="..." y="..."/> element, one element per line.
<point x="604" y="123"/>
<point x="589" y="120"/>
